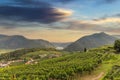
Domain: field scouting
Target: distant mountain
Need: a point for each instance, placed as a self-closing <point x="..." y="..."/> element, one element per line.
<point x="17" y="41"/>
<point x="91" y="41"/>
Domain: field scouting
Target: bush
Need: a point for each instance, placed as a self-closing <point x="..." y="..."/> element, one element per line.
<point x="117" y="45"/>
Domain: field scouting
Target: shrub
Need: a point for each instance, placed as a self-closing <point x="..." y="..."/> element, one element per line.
<point x="117" y="45"/>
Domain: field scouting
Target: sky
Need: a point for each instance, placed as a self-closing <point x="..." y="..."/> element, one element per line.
<point x="59" y="20"/>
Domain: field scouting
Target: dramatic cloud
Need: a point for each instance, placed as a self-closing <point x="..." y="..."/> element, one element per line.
<point x="82" y="25"/>
<point x="39" y="11"/>
<point x="50" y="19"/>
<point x="107" y="25"/>
<point x="44" y="15"/>
<point x="31" y="11"/>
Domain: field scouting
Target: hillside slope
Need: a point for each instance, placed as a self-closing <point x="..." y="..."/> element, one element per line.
<point x="91" y="41"/>
<point x="17" y="41"/>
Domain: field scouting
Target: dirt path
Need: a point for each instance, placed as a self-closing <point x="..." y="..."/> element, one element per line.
<point x="99" y="76"/>
<point x="91" y="77"/>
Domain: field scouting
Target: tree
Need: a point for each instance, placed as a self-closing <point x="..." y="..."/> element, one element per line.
<point x="85" y="49"/>
<point x="117" y="45"/>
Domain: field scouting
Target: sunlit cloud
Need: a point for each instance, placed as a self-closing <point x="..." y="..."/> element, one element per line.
<point x="105" y="25"/>
<point x="65" y="13"/>
<point x="100" y="21"/>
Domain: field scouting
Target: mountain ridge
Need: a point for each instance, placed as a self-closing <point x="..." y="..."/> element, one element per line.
<point x="91" y="41"/>
<point x="18" y="41"/>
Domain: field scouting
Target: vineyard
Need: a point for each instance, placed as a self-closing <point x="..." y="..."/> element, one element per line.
<point x="61" y="68"/>
<point x="114" y="74"/>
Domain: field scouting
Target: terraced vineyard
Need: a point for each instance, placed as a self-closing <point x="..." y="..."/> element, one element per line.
<point x="58" y="68"/>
